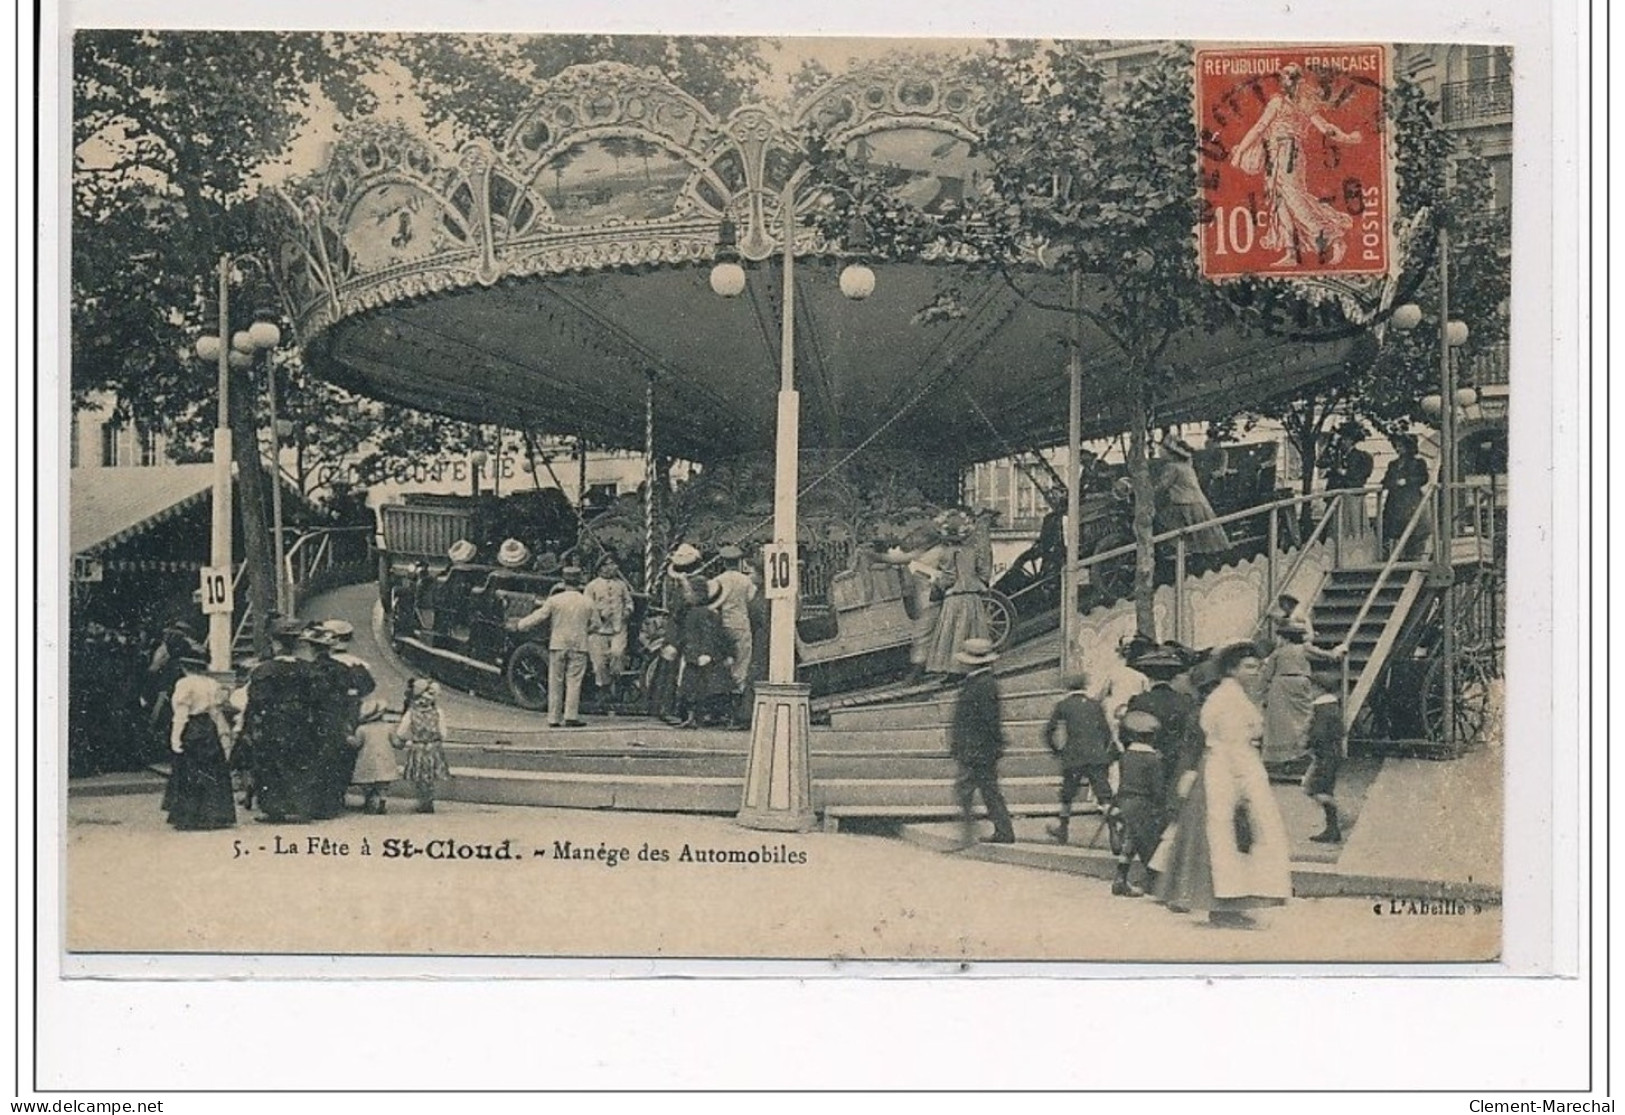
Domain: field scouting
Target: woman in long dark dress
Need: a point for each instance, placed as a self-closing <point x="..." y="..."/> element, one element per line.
<point x="1402" y="487"/>
<point x="199" y="795"/>
<point x="704" y="686"/>
<point x="278" y="720"/>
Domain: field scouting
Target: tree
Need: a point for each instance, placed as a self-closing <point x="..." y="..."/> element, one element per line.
<point x="1091" y="181"/>
<point x="170" y="130"/>
<point x="173" y="134"/>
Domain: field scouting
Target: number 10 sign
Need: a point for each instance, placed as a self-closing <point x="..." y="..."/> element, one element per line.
<point x="215" y="586"/>
<point x="778" y="571"/>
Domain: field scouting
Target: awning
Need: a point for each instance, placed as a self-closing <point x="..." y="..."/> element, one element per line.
<point x="108" y="506"/>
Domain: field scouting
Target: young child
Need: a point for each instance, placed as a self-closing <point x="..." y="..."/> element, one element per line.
<point x="375" y="765"/>
<point x="1139" y="796"/>
<point x="422" y="732"/>
<point x="1079" y="735"/>
<point x="1325" y="740"/>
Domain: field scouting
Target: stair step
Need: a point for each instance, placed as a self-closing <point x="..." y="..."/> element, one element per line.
<point x="1028" y="704"/>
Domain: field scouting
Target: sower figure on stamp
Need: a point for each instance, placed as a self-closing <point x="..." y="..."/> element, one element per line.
<point x="1078" y="734"/>
<point x="976" y="739"/>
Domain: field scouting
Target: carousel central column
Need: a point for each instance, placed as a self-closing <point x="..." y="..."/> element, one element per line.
<point x="778" y="776"/>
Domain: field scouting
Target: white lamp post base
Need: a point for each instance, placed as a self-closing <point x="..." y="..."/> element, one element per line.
<point x="778" y="777"/>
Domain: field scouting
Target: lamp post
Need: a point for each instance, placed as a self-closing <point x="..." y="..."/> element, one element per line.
<point x="778" y="776"/>
<point x="1452" y="335"/>
<point x="239" y="353"/>
<point x="476" y="461"/>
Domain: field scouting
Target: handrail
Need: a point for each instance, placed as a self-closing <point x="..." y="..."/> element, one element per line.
<point x="1429" y="497"/>
<point x="1332" y="508"/>
<point x="1234" y="516"/>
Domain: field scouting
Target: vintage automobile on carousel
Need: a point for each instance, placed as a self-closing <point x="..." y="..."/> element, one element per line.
<point x="449" y="605"/>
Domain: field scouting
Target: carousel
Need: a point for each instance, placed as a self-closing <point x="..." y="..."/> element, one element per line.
<point x="609" y="270"/>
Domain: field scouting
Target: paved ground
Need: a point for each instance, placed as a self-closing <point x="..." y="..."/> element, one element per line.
<point x="134" y="884"/>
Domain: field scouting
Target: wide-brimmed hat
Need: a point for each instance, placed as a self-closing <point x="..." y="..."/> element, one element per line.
<point x="976" y="652"/>
<point x="684" y="558"/>
<point x="730" y="552"/>
<point x="287" y="627"/>
<point x="317" y="635"/>
<point x="1160" y="664"/>
<point x="338" y="629"/>
<point x="513" y="554"/>
<point x="462" y="551"/>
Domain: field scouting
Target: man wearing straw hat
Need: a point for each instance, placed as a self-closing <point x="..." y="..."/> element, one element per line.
<point x="976" y="740"/>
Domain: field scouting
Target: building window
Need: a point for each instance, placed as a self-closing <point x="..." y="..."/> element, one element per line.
<point x="110" y="444"/>
<point x="1501" y="175"/>
<point x="147" y="440"/>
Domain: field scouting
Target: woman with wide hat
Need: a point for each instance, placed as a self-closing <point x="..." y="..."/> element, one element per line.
<point x="1227" y="851"/>
<point x="1182" y="503"/>
<point x="704" y="684"/>
<point x="1288" y="694"/>
<point x="1402" y="487"/>
<point x="962" y="579"/>
<point x="199" y="794"/>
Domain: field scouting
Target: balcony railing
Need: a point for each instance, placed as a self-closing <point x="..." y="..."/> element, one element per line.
<point x="1490" y="367"/>
<point x="1477" y="99"/>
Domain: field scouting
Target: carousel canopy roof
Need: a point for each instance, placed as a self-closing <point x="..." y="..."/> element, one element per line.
<point x="548" y="281"/>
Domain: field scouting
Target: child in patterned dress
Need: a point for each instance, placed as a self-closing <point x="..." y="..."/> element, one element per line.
<point x="422" y="732"/>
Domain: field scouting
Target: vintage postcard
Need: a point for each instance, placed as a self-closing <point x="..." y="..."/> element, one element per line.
<point x="694" y="498"/>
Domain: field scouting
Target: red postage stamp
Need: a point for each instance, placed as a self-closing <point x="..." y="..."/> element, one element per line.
<point x="1294" y="171"/>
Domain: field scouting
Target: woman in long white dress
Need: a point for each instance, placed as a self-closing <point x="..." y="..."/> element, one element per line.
<point x="1228" y="852"/>
<point x="1277" y="147"/>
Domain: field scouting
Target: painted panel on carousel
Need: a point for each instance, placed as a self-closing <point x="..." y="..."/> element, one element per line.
<point x="611" y="180"/>
<point x="928" y="169"/>
<point x="395" y="223"/>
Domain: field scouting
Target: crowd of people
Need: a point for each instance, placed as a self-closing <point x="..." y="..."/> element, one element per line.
<point x="297" y="735"/>
<point x="1172" y="744"/>
<point x="709" y="646"/>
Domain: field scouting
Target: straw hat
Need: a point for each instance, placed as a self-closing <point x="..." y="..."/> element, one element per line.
<point x="337" y="629"/>
<point x="513" y="554"/>
<point x="287" y="627"/>
<point x="462" y="551"/>
<point x="1139" y="724"/>
<point x="730" y="552"/>
<point x="684" y="558"/>
<point x="976" y="652"/>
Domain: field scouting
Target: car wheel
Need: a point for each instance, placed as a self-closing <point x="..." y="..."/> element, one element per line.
<point x="526" y="676"/>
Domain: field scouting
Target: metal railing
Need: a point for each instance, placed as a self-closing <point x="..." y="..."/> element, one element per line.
<point x="1424" y="512"/>
<point x="1476" y="99"/>
<point x="316" y="554"/>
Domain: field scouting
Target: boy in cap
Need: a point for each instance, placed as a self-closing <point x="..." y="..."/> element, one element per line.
<point x="611" y="599"/>
<point x="976" y="739"/>
<point x="1325" y="740"/>
<point x="1139" y="797"/>
<point x="1078" y="734"/>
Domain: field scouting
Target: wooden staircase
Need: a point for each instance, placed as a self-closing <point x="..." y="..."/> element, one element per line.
<point x="1338" y="609"/>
